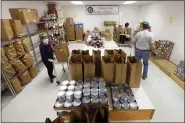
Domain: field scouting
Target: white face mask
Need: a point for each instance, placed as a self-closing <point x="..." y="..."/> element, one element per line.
<point x="45" y="41"/>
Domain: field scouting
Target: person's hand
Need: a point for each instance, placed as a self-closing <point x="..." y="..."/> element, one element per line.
<point x="51" y="60"/>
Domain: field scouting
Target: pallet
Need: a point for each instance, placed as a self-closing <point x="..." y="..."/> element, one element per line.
<point x="168" y="68"/>
<point x="165" y="65"/>
<point x="177" y="80"/>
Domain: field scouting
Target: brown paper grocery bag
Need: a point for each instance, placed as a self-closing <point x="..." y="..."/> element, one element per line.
<point x="76" y="52"/>
<point x="97" y="60"/>
<point x="85" y="52"/>
<point x="33" y="71"/>
<point x="91" y="112"/>
<point x="134" y="72"/>
<point x="18" y="47"/>
<point x="7" y="32"/>
<point x="16" y="84"/>
<point x="108" y="69"/>
<point x="109" y="53"/>
<point x="17" y="27"/>
<point x="75" y="67"/>
<point x="120" y="70"/>
<point x="18" y="65"/>
<point x="88" y="67"/>
<point x="26" y="43"/>
<point x="3" y="57"/>
<point x="27" y="60"/>
<point x="120" y="52"/>
<point x="62" y="52"/>
<point x="24" y="78"/>
<point x="10" y="51"/>
<point x="9" y="70"/>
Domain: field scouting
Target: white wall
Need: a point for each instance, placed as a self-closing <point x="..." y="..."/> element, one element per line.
<point x="157" y="14"/>
<point x="130" y="14"/>
<point x="39" y="5"/>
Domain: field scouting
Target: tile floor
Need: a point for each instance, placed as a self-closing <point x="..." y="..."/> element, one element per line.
<point x="36" y="101"/>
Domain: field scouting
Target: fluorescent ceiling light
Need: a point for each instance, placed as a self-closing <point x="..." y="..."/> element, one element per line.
<point x="129" y="2"/>
<point x="77" y="2"/>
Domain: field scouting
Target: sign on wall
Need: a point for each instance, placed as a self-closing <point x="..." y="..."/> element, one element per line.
<point x="102" y="9"/>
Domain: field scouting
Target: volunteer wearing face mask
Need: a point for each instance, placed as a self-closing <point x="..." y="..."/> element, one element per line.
<point x="46" y="51"/>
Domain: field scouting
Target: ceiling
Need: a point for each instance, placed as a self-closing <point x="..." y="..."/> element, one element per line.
<point x="103" y="2"/>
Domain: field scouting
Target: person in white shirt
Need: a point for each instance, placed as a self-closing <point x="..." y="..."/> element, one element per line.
<point x="143" y="46"/>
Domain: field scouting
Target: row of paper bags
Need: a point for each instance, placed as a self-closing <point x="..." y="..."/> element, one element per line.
<point x="112" y="67"/>
<point x="11" y="51"/>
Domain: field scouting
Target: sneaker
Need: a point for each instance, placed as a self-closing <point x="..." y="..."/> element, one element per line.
<point x="53" y="76"/>
<point x="51" y="80"/>
<point x="144" y="77"/>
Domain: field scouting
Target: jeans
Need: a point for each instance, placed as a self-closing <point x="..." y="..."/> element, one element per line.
<point x="145" y="55"/>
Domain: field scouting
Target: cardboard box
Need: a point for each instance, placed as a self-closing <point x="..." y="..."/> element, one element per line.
<point x="108" y="37"/>
<point x="33" y="71"/>
<point x="16" y="84"/>
<point x="9" y="70"/>
<point x="25" y="15"/>
<point x="134" y="72"/>
<point x="51" y="6"/>
<point x="17" y="27"/>
<point x="70" y="31"/>
<point x="7" y="32"/>
<point x="10" y="51"/>
<point x="19" y="47"/>
<point x="79" y="31"/>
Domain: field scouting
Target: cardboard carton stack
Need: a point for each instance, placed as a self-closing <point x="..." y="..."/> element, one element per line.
<point x="108" y="35"/>
<point x="69" y="27"/>
<point x="26" y="15"/>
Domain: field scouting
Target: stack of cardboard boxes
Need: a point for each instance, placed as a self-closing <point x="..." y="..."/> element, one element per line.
<point x="79" y="31"/>
<point x="26" y="16"/>
<point x="70" y="29"/>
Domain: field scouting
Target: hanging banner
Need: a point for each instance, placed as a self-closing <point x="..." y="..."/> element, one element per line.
<point x="102" y="9"/>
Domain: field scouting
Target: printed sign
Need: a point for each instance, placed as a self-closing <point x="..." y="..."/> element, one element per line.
<point x="102" y="10"/>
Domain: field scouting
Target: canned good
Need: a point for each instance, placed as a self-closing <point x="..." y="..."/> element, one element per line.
<point x="72" y="82"/>
<point x="66" y="82"/>
<point x="63" y="88"/>
<point x="95" y="100"/>
<point x="87" y="85"/>
<point x="133" y="105"/>
<point x="87" y="80"/>
<point x="102" y="85"/>
<point x="59" y="105"/>
<point x="69" y="94"/>
<point x="80" y="82"/>
<point x="125" y="105"/>
<point x="71" y="87"/>
<point x="67" y="104"/>
<point x="76" y="103"/>
<point x="128" y="92"/>
<point x="86" y="92"/>
<point x="86" y="99"/>
<point x="95" y="80"/>
<point x="131" y="99"/>
<point x="117" y="105"/>
<point x="116" y="97"/>
<point x="114" y="86"/>
<point x="61" y="94"/>
<point x="124" y="96"/>
<point x="94" y="91"/>
<point x="78" y="94"/>
<point x="103" y="99"/>
<point x="94" y="85"/>
<point x="78" y="87"/>
<point x="101" y="80"/>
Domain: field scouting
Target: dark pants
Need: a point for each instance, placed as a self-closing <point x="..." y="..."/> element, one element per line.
<point x="49" y="66"/>
<point x="145" y="55"/>
<point x="122" y="39"/>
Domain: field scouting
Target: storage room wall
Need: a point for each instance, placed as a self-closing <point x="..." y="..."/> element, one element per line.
<point x="158" y="14"/>
<point x="130" y="14"/>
